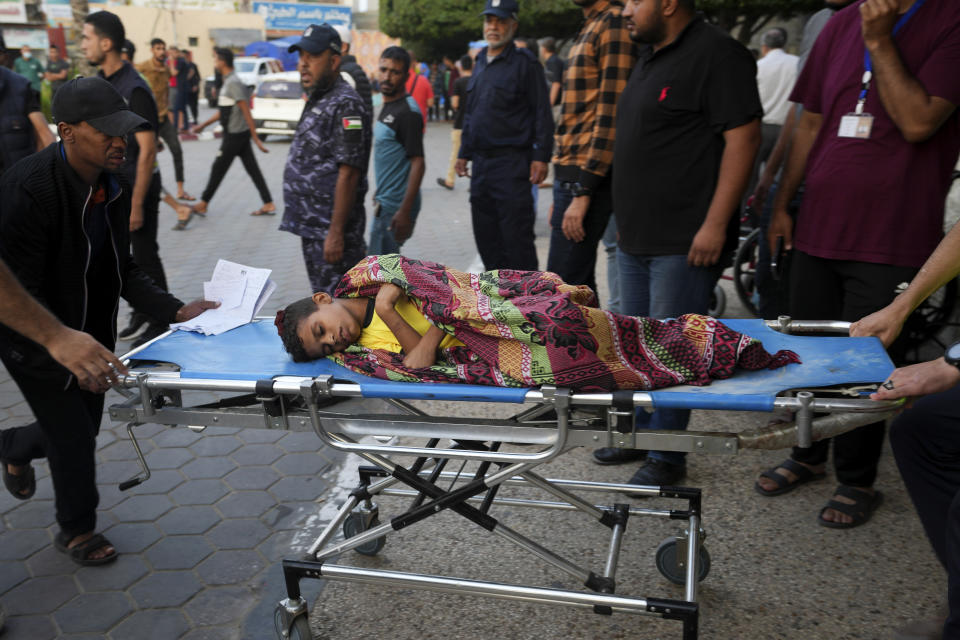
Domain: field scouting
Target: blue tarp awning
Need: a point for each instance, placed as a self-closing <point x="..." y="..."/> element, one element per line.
<point x="275" y="49"/>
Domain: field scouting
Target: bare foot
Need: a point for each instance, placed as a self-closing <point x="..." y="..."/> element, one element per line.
<point x="200" y="208"/>
<point x="832" y="515"/>
<point x="98" y="554"/>
<point x="183" y="195"/>
<point x="183" y="212"/>
<point x="769" y="485"/>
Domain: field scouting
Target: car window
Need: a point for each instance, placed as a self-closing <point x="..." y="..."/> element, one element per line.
<point x="275" y="66"/>
<point x="245" y="66"/>
<point x="286" y="89"/>
<point x="262" y="71"/>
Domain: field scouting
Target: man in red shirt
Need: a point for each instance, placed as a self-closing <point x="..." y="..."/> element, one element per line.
<point x="876" y="143"/>
<point x="419" y="88"/>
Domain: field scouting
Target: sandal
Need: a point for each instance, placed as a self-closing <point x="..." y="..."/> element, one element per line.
<point x="182" y="224"/>
<point x="784" y="485"/>
<point x="81" y="552"/>
<point x="197" y="212"/>
<point x="863" y="507"/>
<point x="262" y="212"/>
<point x="22" y="486"/>
<point x="186" y="197"/>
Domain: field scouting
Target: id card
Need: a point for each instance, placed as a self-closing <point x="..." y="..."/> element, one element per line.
<point x="856" y="125"/>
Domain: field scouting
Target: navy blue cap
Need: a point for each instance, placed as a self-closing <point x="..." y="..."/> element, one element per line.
<point x="96" y="102"/>
<point x="317" y="38"/>
<point x="502" y="8"/>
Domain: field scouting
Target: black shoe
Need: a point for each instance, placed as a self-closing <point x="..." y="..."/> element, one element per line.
<point x="153" y="330"/>
<point x="658" y="473"/>
<point x="443" y="183"/>
<point x="616" y="455"/>
<point x="136" y="326"/>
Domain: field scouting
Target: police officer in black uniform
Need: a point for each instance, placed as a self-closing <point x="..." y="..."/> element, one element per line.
<point x="508" y="136"/>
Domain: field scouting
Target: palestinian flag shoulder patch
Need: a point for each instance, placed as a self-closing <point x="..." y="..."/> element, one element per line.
<point x="352" y="123"/>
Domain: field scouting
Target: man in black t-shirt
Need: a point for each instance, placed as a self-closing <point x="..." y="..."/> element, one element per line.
<point x="103" y="37"/>
<point x="57" y="69"/>
<point x="690" y="107"/>
<point x="458" y="99"/>
<point x="26" y="127"/>
<point x="554" y="70"/>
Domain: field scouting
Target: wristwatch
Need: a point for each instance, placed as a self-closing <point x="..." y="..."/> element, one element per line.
<point x="952" y="354"/>
<point x="578" y="190"/>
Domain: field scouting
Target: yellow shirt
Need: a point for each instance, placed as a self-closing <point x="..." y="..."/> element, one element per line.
<point x="377" y="334"/>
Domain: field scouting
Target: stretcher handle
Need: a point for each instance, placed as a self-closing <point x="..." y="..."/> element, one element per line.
<point x="786" y="324"/>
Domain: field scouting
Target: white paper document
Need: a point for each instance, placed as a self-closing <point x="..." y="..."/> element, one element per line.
<point x="241" y="291"/>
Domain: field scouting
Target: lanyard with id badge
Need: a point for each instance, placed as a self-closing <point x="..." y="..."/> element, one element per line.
<point x="859" y="124"/>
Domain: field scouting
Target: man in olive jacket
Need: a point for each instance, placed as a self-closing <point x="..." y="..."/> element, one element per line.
<point x="64" y="233"/>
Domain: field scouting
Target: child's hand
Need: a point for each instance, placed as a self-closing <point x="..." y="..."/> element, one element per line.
<point x="422" y="356"/>
<point x="387" y="298"/>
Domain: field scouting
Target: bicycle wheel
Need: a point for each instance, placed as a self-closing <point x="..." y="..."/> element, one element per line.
<point x="745" y="271"/>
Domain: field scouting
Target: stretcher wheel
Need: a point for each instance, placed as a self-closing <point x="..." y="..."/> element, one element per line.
<point x="354" y="525"/>
<point x="718" y="302"/>
<point x="299" y="628"/>
<point x="745" y="271"/>
<point x="667" y="562"/>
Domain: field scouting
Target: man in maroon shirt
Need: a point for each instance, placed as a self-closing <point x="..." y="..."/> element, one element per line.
<point x="876" y="144"/>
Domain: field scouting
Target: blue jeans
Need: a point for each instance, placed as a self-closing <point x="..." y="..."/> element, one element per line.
<point x="575" y="262"/>
<point x="381" y="237"/>
<point x="664" y="287"/>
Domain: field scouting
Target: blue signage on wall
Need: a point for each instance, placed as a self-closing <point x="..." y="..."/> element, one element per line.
<point x="294" y="16"/>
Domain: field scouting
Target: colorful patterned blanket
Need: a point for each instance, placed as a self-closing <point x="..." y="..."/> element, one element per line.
<point x="528" y="328"/>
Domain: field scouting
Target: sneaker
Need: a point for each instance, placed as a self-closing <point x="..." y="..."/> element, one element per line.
<point x="657" y="473"/>
<point x="153" y="330"/>
<point x="136" y="326"/>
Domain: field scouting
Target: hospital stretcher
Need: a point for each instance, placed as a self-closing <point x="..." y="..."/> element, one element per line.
<point x="826" y="394"/>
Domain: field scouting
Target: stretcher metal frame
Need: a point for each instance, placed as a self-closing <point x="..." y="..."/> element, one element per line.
<point x="555" y="421"/>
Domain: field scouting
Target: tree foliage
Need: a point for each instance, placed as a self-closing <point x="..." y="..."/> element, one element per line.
<point x="744" y="18"/>
<point x="434" y="28"/>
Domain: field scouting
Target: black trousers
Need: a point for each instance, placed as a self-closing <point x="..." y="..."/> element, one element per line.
<point x="926" y="443"/>
<point x="822" y="289"/>
<point x="234" y="145"/>
<point x="501" y="207"/>
<point x="576" y="262"/>
<point x="143" y="241"/>
<point x="65" y="432"/>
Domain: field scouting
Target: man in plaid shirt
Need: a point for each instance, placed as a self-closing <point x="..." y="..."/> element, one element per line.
<point x="598" y="66"/>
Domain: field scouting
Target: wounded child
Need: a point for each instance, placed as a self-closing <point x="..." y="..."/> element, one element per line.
<point x="409" y="320"/>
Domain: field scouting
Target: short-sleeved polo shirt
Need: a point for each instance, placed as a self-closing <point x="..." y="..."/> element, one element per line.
<point x="671" y="118"/>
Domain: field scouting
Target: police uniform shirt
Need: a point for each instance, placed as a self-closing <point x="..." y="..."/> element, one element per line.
<point x="397" y="137"/>
<point x="671" y="118"/>
<point x="333" y="130"/>
<point x="508" y="105"/>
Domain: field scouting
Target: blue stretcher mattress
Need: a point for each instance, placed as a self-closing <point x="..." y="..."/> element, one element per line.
<point x="254" y="352"/>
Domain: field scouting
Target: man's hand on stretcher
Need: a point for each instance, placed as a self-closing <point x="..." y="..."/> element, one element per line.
<point x="421" y="350"/>
<point x="94" y="366"/>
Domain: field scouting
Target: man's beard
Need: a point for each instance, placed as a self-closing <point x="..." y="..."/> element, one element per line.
<point x="651" y="35"/>
<point x="323" y="83"/>
<point x="394" y="90"/>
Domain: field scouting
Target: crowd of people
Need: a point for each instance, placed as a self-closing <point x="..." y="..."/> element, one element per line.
<point x="656" y="131"/>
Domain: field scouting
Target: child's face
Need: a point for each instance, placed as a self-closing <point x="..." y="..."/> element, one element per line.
<point x="329" y="329"/>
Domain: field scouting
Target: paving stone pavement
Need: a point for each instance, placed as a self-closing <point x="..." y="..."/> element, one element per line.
<point x="200" y="540"/>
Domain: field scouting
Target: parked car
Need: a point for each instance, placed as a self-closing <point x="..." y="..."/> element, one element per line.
<point x="277" y="104"/>
<point x="250" y="70"/>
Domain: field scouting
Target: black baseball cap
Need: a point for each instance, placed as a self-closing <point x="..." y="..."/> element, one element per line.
<point x="506" y="9"/>
<point x="96" y="102"/>
<point x="317" y="38"/>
